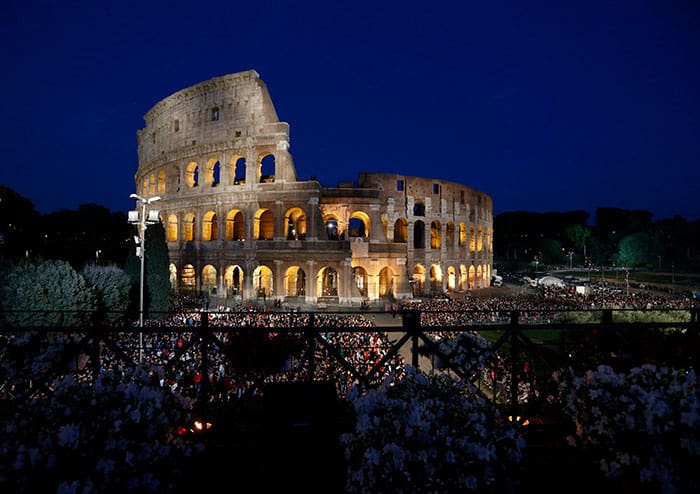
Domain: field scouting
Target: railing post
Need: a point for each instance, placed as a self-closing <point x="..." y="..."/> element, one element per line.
<point x="411" y="324"/>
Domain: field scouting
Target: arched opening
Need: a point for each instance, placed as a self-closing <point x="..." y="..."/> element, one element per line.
<point x="172" y="228"/>
<point x="359" y="275"/>
<point x="295" y="221"/>
<point x="435" y="235"/>
<point x="295" y="282"/>
<point x="419" y="235"/>
<point x="237" y="170"/>
<point x="188" y="280"/>
<point x="188" y="227"/>
<point x="463" y="286"/>
<point x="417" y="280"/>
<point x="264" y="225"/>
<point x="472" y="277"/>
<point x="451" y="278"/>
<point x="235" y="226"/>
<point x="358" y="226"/>
<point x="462" y="234"/>
<point x="266" y="168"/>
<point x="192" y="174"/>
<point x="262" y="281"/>
<point x="213" y="173"/>
<point x="233" y="280"/>
<point x="386" y="282"/>
<point x="172" y="276"/>
<point x="210" y="226"/>
<point x="479" y="277"/>
<point x="435" y="279"/>
<point x="332" y="230"/>
<point x="450" y="234"/>
<point x="152" y="185"/>
<point x="401" y="231"/>
<point x="472" y="240"/>
<point x="209" y="279"/>
<point x="161" y="181"/>
<point x="479" y="240"/>
<point x="327" y="282"/>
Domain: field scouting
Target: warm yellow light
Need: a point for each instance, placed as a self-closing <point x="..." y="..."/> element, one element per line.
<point x="199" y="426"/>
<point x="517" y="419"/>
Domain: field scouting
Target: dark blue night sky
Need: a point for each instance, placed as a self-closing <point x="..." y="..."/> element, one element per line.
<point x="545" y="106"/>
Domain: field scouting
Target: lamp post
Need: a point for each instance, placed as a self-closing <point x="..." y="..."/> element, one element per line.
<point x="143" y="220"/>
<point x="571" y="260"/>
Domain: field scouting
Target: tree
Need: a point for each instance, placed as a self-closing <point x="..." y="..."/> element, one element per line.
<point x="156" y="272"/>
<point x="19" y="223"/>
<point x="112" y="286"/>
<point x="45" y="293"/>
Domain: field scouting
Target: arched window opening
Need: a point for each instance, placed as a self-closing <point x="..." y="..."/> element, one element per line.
<point x="209" y="279"/>
<point x="327" y="282"/>
<point x="188" y="277"/>
<point x="152" y="185"/>
<point x="332" y="228"/>
<point x="144" y="187"/>
<point x="172" y="277"/>
<point x="235" y="226"/>
<point x="237" y="172"/>
<point x="472" y="277"/>
<point x="401" y="231"/>
<point x="188" y="228"/>
<point x="451" y="278"/>
<point x="435" y="235"/>
<point x="386" y="283"/>
<point x="263" y="226"/>
<point x="479" y="240"/>
<point x="267" y="169"/>
<point x="210" y="227"/>
<point x="419" y="235"/>
<point x="295" y="282"/>
<point x="172" y="228"/>
<point x="295" y="219"/>
<point x="213" y="176"/>
<point x="161" y="181"/>
<point x="463" y="286"/>
<point x="360" y="277"/>
<point x="472" y="240"/>
<point x="450" y="234"/>
<point x="417" y="280"/>
<point x="435" y="279"/>
<point x="479" y="277"/>
<point x="192" y="174"/>
<point x="462" y="234"/>
<point x="357" y="227"/>
<point x="233" y="280"/>
<point x="262" y="281"/>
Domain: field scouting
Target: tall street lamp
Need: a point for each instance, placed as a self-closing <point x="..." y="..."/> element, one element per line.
<point x="143" y="219"/>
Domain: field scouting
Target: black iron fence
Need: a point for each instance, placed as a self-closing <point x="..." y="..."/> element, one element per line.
<point x="216" y="357"/>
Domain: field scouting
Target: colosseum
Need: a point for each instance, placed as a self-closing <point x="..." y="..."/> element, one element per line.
<point x="241" y="226"/>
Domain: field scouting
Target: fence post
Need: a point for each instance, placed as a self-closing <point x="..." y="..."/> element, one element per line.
<point x="411" y="324"/>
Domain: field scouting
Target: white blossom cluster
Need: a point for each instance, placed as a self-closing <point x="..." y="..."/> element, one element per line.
<point x="644" y="422"/>
<point x="427" y="433"/>
<point x="114" y="434"/>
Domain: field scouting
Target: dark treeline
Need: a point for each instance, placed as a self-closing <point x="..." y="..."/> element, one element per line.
<point x="617" y="237"/>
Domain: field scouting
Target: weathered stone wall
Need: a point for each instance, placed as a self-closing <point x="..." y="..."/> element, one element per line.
<point x="239" y="224"/>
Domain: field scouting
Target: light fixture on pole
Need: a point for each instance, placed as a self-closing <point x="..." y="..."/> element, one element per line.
<point x="143" y="220"/>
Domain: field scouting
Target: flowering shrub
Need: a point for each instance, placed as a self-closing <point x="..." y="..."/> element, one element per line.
<point x="427" y="433"/>
<point x="115" y="434"/>
<point x="644" y="423"/>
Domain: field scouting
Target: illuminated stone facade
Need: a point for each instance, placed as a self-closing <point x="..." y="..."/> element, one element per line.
<point x="240" y="226"/>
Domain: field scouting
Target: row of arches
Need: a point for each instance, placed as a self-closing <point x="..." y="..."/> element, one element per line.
<point x="210" y="173"/>
<point x="295" y="226"/>
<point x="233" y="281"/>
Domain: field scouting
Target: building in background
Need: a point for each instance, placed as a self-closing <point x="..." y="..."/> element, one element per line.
<point x="241" y="226"/>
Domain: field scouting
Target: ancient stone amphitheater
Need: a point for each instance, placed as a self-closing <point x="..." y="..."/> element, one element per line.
<point x="240" y="225"/>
